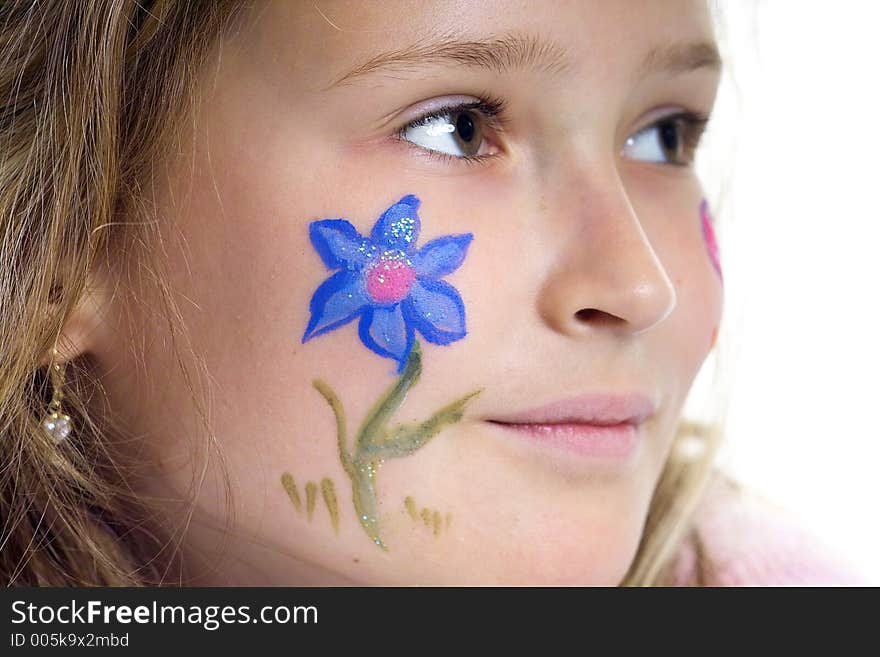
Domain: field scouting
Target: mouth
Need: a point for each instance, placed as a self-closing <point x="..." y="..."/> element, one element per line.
<point x="616" y="441"/>
<point x="604" y="426"/>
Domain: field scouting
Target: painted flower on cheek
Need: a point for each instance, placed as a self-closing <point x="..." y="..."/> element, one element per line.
<point x="393" y="287"/>
<point x="709" y="237"/>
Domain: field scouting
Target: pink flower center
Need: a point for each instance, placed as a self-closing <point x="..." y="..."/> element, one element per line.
<point x="390" y="279"/>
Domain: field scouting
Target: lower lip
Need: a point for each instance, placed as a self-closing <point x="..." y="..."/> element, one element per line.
<point x="616" y="441"/>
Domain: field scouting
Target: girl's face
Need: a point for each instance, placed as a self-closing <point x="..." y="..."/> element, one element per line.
<point x="576" y="262"/>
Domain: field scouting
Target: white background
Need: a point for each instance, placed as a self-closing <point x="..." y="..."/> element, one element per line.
<point x="791" y="164"/>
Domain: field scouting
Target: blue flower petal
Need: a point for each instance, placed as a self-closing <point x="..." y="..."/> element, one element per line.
<point x="337" y="301"/>
<point x="441" y="256"/>
<point x="339" y="243"/>
<point x="385" y="331"/>
<point x="435" y="308"/>
<point x="398" y="227"/>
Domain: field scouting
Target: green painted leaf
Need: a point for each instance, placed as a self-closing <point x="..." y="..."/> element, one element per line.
<point x="407" y="438"/>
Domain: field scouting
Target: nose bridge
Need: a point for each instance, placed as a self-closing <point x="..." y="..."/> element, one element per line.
<point x="607" y="272"/>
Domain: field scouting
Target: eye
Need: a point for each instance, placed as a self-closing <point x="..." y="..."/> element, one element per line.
<point x="671" y="140"/>
<point x="457" y="131"/>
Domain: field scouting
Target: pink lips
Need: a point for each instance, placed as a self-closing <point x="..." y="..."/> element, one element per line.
<point x="604" y="426"/>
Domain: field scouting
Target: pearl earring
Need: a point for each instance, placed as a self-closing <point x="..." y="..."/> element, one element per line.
<point x="56" y="424"/>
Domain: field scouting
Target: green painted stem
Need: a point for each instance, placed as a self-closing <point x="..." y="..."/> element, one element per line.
<point x="375" y="442"/>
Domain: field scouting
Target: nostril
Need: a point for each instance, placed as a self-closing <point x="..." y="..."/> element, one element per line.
<point x="593" y="316"/>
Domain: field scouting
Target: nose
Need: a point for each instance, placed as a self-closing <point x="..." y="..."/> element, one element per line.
<point x="606" y="274"/>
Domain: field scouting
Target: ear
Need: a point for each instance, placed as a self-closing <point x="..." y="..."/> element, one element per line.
<point x="85" y="327"/>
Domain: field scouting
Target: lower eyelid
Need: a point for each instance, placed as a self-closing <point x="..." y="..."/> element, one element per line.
<point x="454" y="159"/>
<point x="440" y="155"/>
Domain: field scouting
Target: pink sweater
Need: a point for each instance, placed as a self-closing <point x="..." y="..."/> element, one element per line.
<point x="748" y="541"/>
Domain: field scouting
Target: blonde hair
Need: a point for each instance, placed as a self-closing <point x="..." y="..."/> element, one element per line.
<point x="90" y="94"/>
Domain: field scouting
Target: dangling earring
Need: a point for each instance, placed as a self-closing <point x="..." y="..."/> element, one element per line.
<point x="57" y="424"/>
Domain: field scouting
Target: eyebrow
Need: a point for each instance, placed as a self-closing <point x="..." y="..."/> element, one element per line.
<point x="499" y="55"/>
<point x="681" y="58"/>
<point x="523" y="51"/>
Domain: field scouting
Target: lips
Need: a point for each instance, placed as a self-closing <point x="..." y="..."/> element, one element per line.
<point x="597" y="425"/>
<point x="593" y="409"/>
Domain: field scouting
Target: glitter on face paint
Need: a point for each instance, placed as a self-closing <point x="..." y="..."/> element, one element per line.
<point x="402" y="229"/>
<point x="367" y="249"/>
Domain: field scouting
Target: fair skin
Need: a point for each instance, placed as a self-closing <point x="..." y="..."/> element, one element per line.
<point x="565" y="217"/>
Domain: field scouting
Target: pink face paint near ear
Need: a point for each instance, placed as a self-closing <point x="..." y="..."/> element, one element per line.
<point x="709" y="237"/>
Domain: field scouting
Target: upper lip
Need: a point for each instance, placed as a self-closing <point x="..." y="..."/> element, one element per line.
<point x="596" y="409"/>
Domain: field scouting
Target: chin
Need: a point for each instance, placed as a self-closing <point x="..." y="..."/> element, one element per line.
<point x="591" y="557"/>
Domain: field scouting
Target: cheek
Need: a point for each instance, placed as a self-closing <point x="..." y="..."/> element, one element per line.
<point x="688" y="253"/>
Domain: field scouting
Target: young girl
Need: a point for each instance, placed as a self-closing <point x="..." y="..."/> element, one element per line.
<point x="359" y="293"/>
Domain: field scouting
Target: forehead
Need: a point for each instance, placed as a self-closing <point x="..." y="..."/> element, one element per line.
<point x="326" y="41"/>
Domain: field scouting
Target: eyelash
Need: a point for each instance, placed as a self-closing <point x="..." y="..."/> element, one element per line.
<point x="492" y="108"/>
